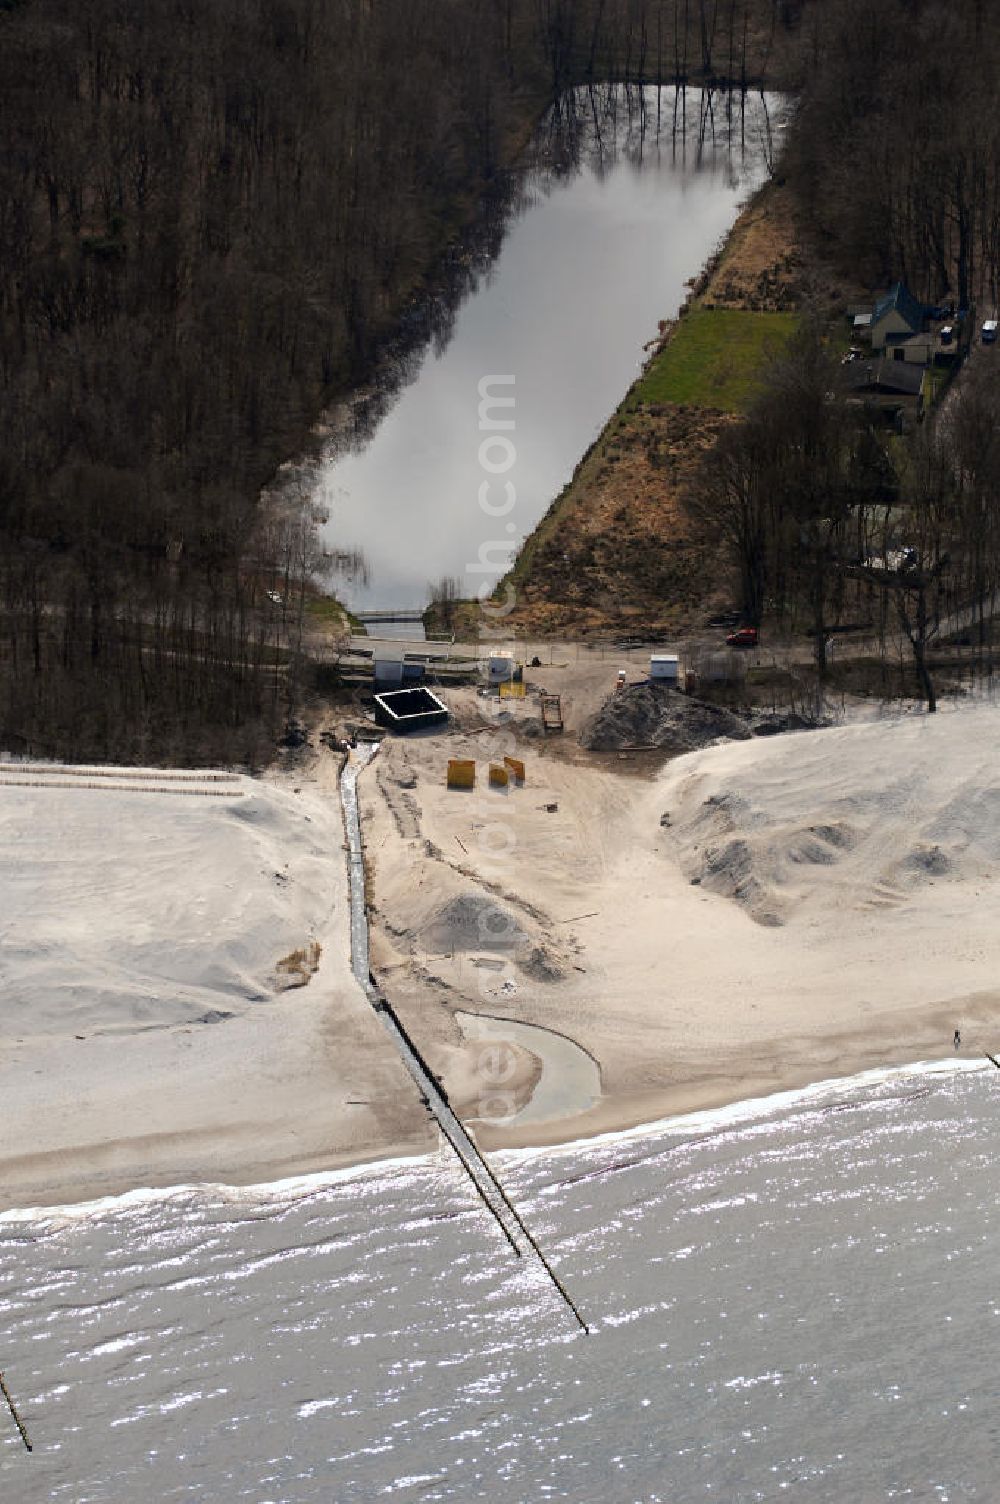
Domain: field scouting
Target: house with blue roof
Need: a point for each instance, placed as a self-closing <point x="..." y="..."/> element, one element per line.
<point x="896" y="318"/>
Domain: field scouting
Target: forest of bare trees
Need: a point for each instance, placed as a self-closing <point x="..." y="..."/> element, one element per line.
<point x="894" y="163"/>
<point x="209" y="218"/>
<point x="214" y="220"/>
<point x="895" y="155"/>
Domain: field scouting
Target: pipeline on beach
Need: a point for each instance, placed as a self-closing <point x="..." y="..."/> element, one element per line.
<point x="433" y="1095"/>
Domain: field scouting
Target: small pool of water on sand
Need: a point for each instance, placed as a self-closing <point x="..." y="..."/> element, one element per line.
<point x="570" y="1082"/>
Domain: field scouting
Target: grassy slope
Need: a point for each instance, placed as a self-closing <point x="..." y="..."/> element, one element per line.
<point x="328" y="614"/>
<point x="714" y="357"/>
<point x="613" y="550"/>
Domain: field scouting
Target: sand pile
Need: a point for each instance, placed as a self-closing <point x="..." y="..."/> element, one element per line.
<point x="475" y="923"/>
<point x="652" y="715"/>
<point x="861" y="818"/>
<point x="143" y="903"/>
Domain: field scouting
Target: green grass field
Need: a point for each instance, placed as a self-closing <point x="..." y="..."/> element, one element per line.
<point x="714" y="358"/>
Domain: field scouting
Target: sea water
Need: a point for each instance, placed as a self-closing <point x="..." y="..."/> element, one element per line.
<point x="796" y="1299"/>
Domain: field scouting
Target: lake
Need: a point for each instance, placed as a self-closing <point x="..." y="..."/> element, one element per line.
<point x="623" y="198"/>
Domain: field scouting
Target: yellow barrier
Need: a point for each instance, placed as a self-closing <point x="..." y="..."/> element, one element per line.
<point x="461" y="773"/>
<point x="499" y="777"/>
<point x="515" y="767"/>
<point x="512" y="689"/>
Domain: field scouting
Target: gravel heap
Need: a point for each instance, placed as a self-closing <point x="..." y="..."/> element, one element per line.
<point x="472" y="921"/>
<point x="653" y="715"/>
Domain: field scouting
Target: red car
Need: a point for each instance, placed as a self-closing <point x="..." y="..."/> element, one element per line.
<point x="745" y="637"/>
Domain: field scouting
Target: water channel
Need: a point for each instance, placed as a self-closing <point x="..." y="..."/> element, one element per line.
<point x="621" y="201"/>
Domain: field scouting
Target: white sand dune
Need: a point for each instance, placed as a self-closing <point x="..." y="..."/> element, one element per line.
<point x="129" y="907"/>
<point x="176" y="1001"/>
<point x="856" y="820"/>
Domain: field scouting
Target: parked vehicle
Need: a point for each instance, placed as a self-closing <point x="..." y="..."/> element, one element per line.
<point x="989" y="334"/>
<point x="947" y="334"/>
<point x="744" y="637"/>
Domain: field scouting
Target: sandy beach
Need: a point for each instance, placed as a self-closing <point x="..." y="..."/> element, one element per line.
<point x="744" y="919"/>
<point x="622" y="937"/>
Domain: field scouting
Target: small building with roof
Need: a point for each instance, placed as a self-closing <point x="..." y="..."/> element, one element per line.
<point x="891" y="378"/>
<point x="893" y="388"/>
<point x="918" y="350"/>
<point x="896" y="318"/>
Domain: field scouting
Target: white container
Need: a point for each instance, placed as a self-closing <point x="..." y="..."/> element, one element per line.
<point x="388" y="668"/>
<point x="664" y="668"/>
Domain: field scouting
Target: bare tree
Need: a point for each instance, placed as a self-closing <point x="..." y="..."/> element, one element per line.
<point x="444" y="595"/>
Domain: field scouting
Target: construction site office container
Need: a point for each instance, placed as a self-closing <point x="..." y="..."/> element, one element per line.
<point x="387" y="669"/>
<point x="664" y="668"/>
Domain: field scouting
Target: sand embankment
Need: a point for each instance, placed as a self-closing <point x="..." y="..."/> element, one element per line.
<point x="176" y="1001"/>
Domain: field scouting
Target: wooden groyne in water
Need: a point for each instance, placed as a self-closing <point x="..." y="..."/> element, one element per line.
<point x="19" y="1423"/>
<point x="432" y="1094"/>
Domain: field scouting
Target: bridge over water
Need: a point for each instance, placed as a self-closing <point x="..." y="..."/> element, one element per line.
<point x="409" y="615"/>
